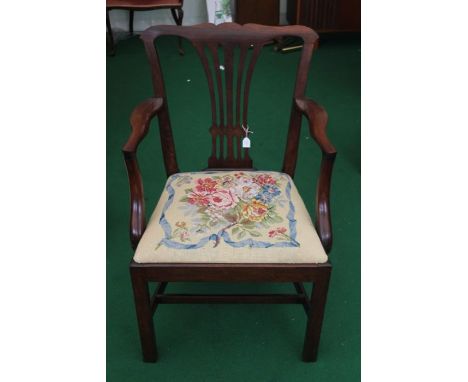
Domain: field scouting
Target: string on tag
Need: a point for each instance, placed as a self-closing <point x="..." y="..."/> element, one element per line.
<point x="246" y="140"/>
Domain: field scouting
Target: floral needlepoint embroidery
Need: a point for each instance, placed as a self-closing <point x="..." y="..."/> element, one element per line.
<point x="243" y="209"/>
<point x="206" y="185"/>
<point x="254" y="211"/>
<point x="279" y="233"/>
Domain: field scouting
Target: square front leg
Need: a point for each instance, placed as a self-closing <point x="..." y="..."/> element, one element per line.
<point x="144" y="316"/>
<point x="316" y="313"/>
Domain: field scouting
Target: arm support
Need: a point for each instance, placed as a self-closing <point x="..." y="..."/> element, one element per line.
<point x="139" y="121"/>
<point x="318" y="119"/>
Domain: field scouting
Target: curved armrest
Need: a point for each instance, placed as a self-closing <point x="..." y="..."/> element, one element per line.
<point x="140" y="121"/>
<point x="318" y="119"/>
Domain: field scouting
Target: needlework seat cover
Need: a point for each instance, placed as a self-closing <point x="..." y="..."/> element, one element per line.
<point x="230" y="217"/>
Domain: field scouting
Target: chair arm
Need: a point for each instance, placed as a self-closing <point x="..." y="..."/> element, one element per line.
<point x="318" y="118"/>
<point x="140" y="120"/>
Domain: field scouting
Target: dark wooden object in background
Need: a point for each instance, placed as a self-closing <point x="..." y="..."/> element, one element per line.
<point x="264" y="12"/>
<point x="226" y="130"/>
<point x="143" y="5"/>
<point x="326" y="15"/>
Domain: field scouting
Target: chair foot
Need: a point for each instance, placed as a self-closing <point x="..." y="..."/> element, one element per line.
<point x="144" y="316"/>
<point x="314" y="322"/>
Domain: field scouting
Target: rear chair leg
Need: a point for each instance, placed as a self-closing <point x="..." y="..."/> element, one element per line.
<point x="300" y="290"/>
<point x="314" y="323"/>
<point x="144" y="316"/>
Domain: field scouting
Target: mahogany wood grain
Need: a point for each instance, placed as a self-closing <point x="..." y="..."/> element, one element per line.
<point x="169" y="272"/>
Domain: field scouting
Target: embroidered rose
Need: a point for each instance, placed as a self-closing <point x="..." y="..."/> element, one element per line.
<point x="198" y="199"/>
<point x="264" y="179"/>
<point x="277" y="231"/>
<point x="254" y="211"/>
<point x="223" y="199"/>
<point x="206" y="185"/>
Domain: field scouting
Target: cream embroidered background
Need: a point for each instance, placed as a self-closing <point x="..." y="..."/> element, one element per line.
<point x="230" y="217"/>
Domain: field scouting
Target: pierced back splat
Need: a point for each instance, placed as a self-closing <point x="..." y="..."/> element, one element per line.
<point x="228" y="114"/>
<point x="229" y="79"/>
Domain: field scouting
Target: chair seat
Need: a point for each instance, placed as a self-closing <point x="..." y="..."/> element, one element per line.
<point x="230" y="217"/>
<point x="143" y="4"/>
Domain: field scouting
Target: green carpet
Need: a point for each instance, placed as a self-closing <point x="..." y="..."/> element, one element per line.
<point x="236" y="342"/>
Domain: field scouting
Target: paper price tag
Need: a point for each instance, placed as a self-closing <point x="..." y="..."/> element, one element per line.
<point x="246" y="140"/>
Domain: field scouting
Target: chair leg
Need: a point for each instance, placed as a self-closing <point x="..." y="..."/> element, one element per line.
<point x="298" y="287"/>
<point x="144" y="316"/>
<point x="314" y="322"/>
<point x="300" y="290"/>
<point x="109" y="31"/>
<point x="178" y="16"/>
<point x="130" y="22"/>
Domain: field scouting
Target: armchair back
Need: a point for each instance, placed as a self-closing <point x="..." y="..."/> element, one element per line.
<point x="229" y="80"/>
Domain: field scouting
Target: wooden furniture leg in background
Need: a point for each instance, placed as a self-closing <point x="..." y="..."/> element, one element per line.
<point x="130" y="22"/>
<point x="109" y="32"/>
<point x="147" y="5"/>
<point x="178" y="16"/>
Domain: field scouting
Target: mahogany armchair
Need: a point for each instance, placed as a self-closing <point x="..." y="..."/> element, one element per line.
<point x="143" y="5"/>
<point x="230" y="222"/>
